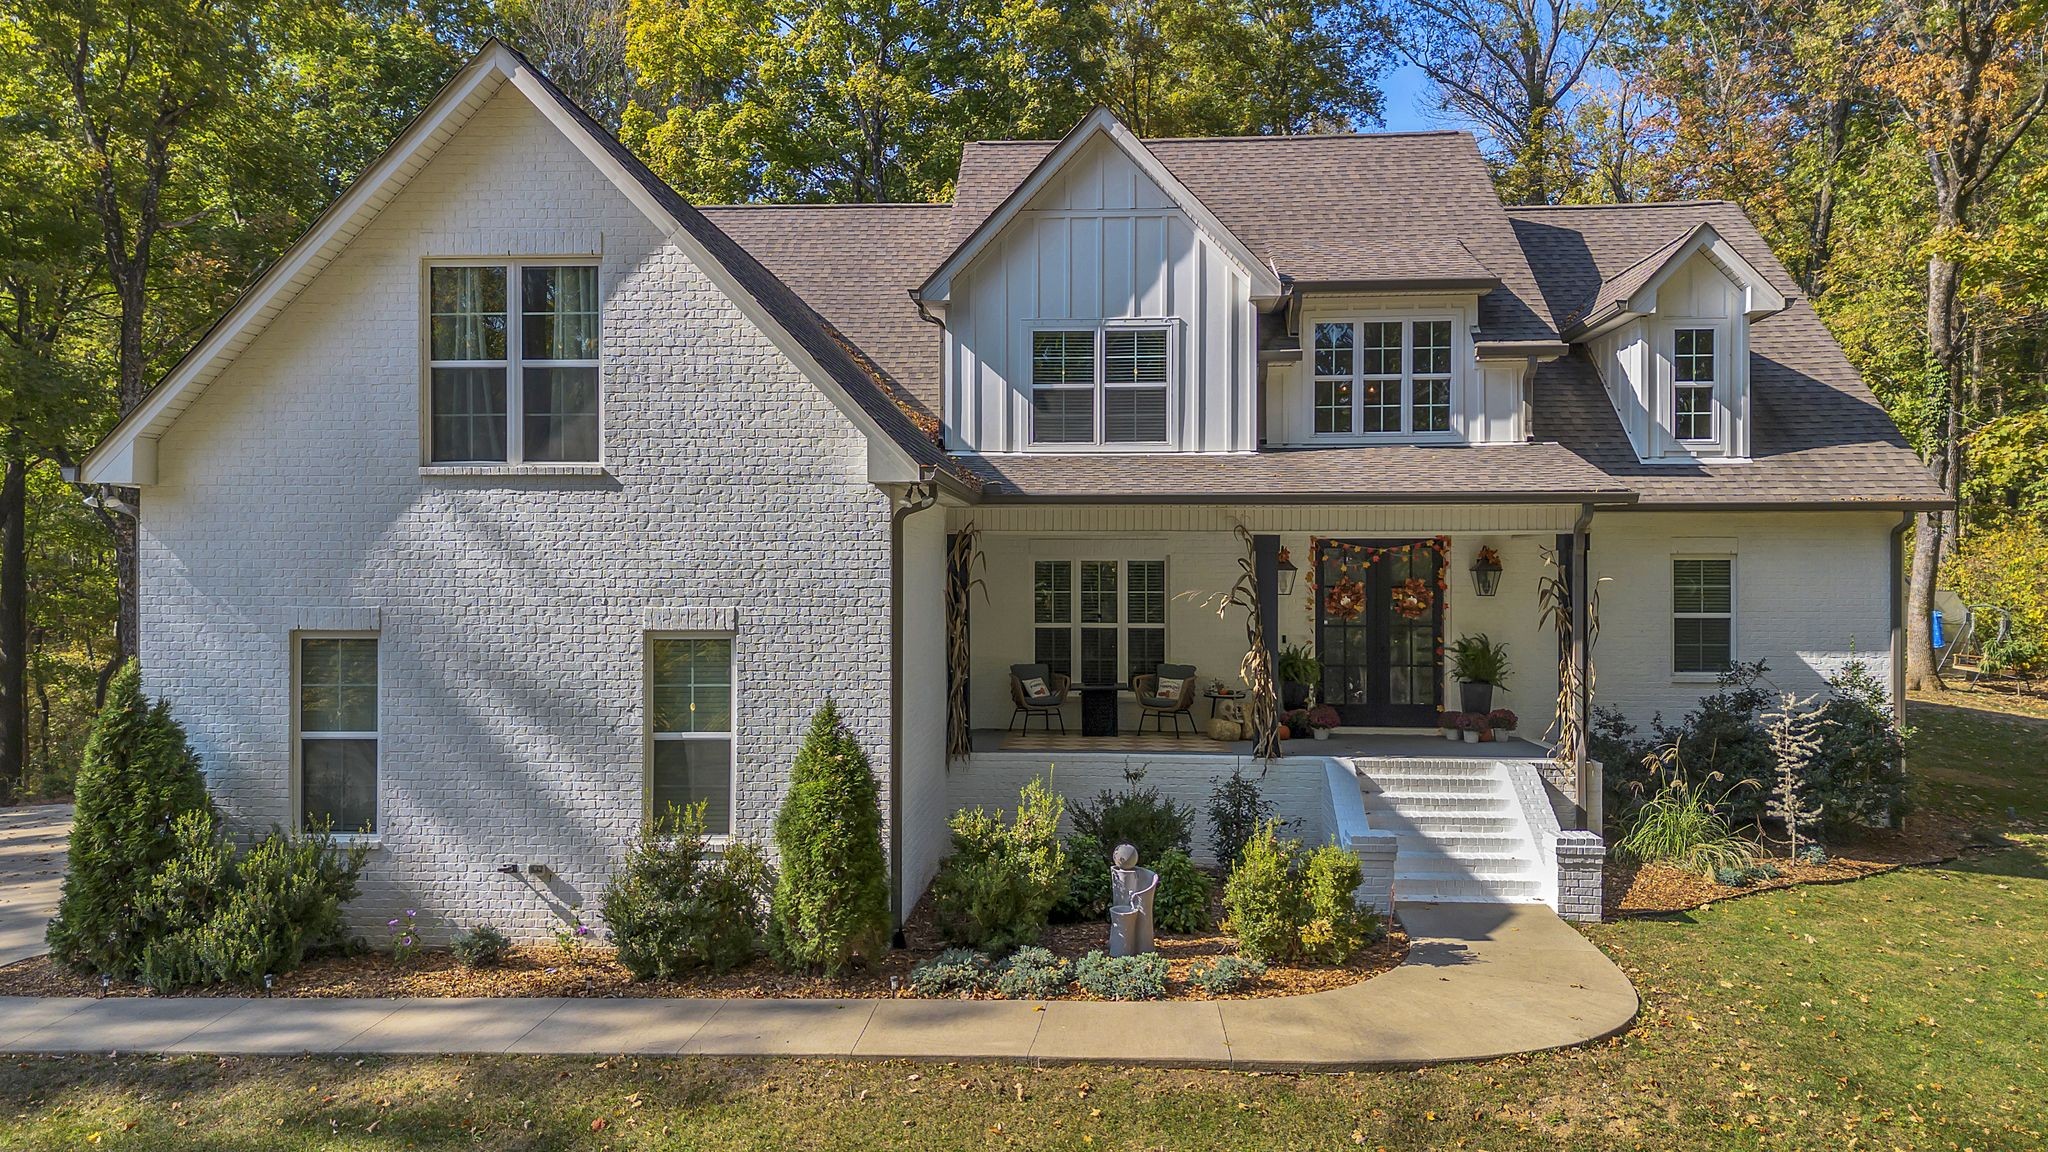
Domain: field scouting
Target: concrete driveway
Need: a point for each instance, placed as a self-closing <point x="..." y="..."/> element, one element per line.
<point x="32" y="844"/>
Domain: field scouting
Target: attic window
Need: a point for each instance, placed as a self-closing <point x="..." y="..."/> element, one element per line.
<point x="1103" y="384"/>
<point x="1692" y="383"/>
<point x="1383" y="377"/>
<point x="512" y="385"/>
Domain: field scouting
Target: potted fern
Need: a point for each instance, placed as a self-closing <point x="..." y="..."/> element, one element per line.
<point x="1480" y="666"/>
<point x="1299" y="671"/>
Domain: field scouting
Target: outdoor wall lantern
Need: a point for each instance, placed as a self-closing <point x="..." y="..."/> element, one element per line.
<point x="1285" y="569"/>
<point x="1486" y="572"/>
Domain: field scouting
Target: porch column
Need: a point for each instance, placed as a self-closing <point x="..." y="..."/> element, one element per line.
<point x="1578" y="579"/>
<point x="1266" y="566"/>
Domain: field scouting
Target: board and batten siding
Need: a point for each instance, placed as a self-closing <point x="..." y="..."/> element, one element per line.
<point x="1635" y="363"/>
<point x="1102" y="241"/>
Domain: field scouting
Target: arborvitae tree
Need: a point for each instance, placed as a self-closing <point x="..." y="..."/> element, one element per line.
<point x="832" y="896"/>
<point x="139" y="775"/>
<point x="1795" y="739"/>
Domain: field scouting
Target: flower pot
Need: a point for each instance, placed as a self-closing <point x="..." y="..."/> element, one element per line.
<point x="1476" y="697"/>
<point x="1320" y="733"/>
<point x="1450" y="734"/>
<point x="1293" y="695"/>
<point x="1471" y="737"/>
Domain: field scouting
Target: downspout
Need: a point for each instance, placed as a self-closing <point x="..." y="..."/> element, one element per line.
<point x="1898" y="607"/>
<point x="908" y="502"/>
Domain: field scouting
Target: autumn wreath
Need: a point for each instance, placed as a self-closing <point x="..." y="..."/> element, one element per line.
<point x="1412" y="598"/>
<point x="1345" y="600"/>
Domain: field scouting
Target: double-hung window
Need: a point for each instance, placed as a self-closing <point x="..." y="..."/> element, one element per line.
<point x="1382" y="377"/>
<point x="1112" y="613"/>
<point x="1693" y="379"/>
<point x="512" y="363"/>
<point x="1702" y="615"/>
<point x="689" y="711"/>
<point x="1101" y="384"/>
<point x="337" y="733"/>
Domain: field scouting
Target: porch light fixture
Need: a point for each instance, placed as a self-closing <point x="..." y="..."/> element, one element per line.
<point x="1486" y="572"/>
<point x="1285" y="569"/>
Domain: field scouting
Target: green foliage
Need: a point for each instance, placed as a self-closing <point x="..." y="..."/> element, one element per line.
<point x="1284" y="903"/>
<point x="954" y="972"/>
<point x="138" y="778"/>
<point x="1298" y="665"/>
<point x="181" y="899"/>
<point x="1746" y="877"/>
<point x="1859" y="774"/>
<point x="286" y="903"/>
<point x="2008" y="474"/>
<point x="2003" y="567"/>
<point x="1137" y="816"/>
<point x="1087" y="894"/>
<point x="1033" y="974"/>
<point x="1225" y="974"/>
<point x="1478" y="660"/>
<point x="1678" y="824"/>
<point x="1106" y="977"/>
<point x="1236" y="809"/>
<point x="1181" y="903"/>
<point x="831" y="905"/>
<point x="1001" y="883"/>
<point x="481" y="947"/>
<point x="678" y="907"/>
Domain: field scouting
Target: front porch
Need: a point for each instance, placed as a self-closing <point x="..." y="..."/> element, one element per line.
<point x="1341" y="744"/>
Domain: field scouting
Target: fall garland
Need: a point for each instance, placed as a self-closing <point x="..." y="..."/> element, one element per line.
<point x="1413" y="598"/>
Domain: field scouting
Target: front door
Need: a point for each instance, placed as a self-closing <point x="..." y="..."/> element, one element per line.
<point x="1381" y="666"/>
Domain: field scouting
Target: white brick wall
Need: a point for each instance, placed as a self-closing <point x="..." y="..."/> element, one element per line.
<point x="511" y="610"/>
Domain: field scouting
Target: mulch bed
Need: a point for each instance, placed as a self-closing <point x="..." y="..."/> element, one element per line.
<point x="547" y="971"/>
<point x="1634" y="889"/>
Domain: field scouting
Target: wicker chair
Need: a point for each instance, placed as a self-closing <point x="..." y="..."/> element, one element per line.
<point x="1047" y="706"/>
<point x="1159" y="708"/>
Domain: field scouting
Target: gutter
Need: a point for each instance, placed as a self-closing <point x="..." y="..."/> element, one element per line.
<point x="1898" y="613"/>
<point x="1605" y="499"/>
<point x="912" y="499"/>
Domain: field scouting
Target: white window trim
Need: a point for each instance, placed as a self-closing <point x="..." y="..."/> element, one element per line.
<point x="299" y="736"/>
<point x="649" y="737"/>
<point x="1460" y="353"/>
<point x="1101" y="386"/>
<point x="1717" y="411"/>
<point x="1665" y="446"/>
<point x="1123" y="626"/>
<point x="1672" y="615"/>
<point x="514" y="365"/>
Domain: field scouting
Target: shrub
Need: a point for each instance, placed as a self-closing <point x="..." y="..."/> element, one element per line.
<point x="1033" y="974"/>
<point x="181" y="898"/>
<point x="138" y="777"/>
<point x="831" y="902"/>
<point x="1859" y="774"/>
<point x="481" y="947"/>
<point x="1087" y="891"/>
<point x="1181" y="902"/>
<point x="1225" y="974"/>
<point x="954" y="972"/>
<point x="286" y="903"/>
<point x="676" y="907"/>
<point x="1744" y="877"/>
<point x="1283" y="903"/>
<point x="1141" y="977"/>
<point x="1001" y="882"/>
<point x="1236" y="809"/>
<point x="1137" y="816"/>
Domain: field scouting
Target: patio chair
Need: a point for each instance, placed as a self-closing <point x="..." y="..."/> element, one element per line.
<point x="1159" y="708"/>
<point x="1046" y="704"/>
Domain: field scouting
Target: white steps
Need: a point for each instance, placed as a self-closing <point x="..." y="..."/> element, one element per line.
<point x="1460" y="830"/>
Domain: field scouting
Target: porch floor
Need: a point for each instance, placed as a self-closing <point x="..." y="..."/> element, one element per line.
<point x="1418" y="746"/>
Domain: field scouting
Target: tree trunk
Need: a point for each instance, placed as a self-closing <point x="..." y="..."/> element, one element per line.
<point x="1928" y="536"/>
<point x="13" y="626"/>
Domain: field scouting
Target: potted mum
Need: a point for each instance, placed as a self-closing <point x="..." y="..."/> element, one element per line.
<point x="1447" y="723"/>
<point x="1469" y="724"/>
<point x="1321" y="719"/>
<point x="1480" y="666"/>
<point x="1502" y="720"/>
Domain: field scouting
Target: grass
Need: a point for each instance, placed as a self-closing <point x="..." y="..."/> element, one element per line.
<point x="1982" y="758"/>
<point x="1909" y="1010"/>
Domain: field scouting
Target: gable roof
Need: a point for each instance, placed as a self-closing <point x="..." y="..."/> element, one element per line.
<point x="840" y="370"/>
<point x="1099" y="124"/>
<point x="1818" y="437"/>
<point x="1380" y="212"/>
<point x="1633" y="290"/>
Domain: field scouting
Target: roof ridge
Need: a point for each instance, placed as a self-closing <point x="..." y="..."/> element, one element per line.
<point x="1260" y="138"/>
<point x="1617" y="207"/>
<point x="826" y="204"/>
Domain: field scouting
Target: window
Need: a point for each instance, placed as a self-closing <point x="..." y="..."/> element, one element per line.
<point x="512" y="385"/>
<point x="1692" y="376"/>
<point x="1382" y="377"/>
<point x="689" y="711"/>
<point x="337" y="723"/>
<point x="1702" y="615"/>
<point x="1112" y="618"/>
<point x="1104" y="384"/>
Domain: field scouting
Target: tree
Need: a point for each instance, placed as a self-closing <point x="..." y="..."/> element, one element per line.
<point x="580" y="45"/>
<point x="1795" y="741"/>
<point x="138" y="778"/>
<point x="831" y="903"/>
<point x="1512" y="68"/>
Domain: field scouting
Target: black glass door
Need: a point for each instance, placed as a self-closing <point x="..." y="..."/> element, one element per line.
<point x="1380" y="665"/>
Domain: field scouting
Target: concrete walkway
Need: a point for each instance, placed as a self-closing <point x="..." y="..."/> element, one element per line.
<point x="1481" y="981"/>
<point x="32" y="844"/>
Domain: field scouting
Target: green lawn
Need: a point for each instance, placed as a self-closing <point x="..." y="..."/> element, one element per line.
<point x="1974" y="758"/>
<point x="1909" y="1010"/>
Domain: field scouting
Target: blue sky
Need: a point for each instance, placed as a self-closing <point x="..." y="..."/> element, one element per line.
<point x="1408" y="106"/>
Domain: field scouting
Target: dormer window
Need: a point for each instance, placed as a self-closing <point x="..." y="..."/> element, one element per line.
<point x="1693" y="380"/>
<point x="1101" y="384"/>
<point x="1382" y="377"/>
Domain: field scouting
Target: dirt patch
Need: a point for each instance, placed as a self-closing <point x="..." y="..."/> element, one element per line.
<point x="548" y="971"/>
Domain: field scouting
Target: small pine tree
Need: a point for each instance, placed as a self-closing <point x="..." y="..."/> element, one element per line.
<point x="1795" y="739"/>
<point x="138" y="776"/>
<point x="832" y="896"/>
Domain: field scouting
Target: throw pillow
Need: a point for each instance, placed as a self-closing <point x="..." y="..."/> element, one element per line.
<point x="1171" y="689"/>
<point x="1034" y="689"/>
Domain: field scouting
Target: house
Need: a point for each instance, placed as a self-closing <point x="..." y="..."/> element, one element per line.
<point x="521" y="498"/>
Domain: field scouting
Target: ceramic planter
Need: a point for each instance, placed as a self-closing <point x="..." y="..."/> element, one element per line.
<point x="1321" y="733"/>
<point x="1476" y="697"/>
<point x="1471" y="737"/>
<point x="1451" y="734"/>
